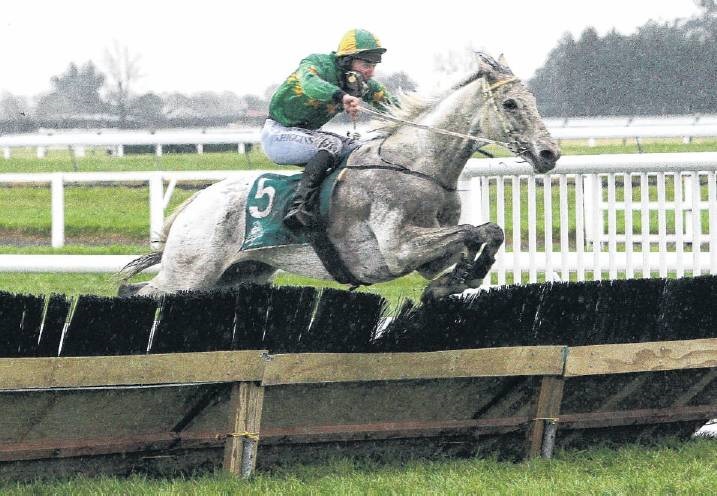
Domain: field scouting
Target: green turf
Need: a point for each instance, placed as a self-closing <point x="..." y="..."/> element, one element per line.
<point x="101" y="213"/>
<point x="24" y="160"/>
<point x="106" y="284"/>
<point x="678" y="469"/>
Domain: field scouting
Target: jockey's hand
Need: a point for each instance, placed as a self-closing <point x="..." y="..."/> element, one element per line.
<point x="351" y="104"/>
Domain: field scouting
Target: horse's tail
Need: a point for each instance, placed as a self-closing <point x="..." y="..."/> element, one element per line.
<point x="139" y="264"/>
<point x="154" y="257"/>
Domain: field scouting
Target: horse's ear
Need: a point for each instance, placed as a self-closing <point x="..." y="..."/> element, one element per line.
<point x="490" y="66"/>
<point x="486" y="65"/>
<point x="503" y="63"/>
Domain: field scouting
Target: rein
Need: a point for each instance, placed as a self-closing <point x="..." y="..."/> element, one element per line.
<point x="400" y="168"/>
<point x="487" y="90"/>
<point x="490" y="98"/>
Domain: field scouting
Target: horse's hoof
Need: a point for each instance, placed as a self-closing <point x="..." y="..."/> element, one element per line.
<point x="432" y="295"/>
<point x="474" y="283"/>
<point x="126" y="290"/>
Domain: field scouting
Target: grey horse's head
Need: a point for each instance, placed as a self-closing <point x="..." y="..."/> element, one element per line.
<point x="511" y="115"/>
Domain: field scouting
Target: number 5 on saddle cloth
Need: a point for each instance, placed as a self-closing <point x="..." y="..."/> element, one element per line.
<point x="266" y="206"/>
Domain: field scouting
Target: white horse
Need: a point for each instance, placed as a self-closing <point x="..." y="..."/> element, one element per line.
<point x="395" y="210"/>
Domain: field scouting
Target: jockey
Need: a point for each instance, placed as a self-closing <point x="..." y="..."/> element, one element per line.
<point x="322" y="86"/>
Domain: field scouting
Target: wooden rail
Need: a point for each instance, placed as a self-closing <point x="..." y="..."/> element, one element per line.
<point x="248" y="374"/>
<point x="313" y="368"/>
<point x="140" y="370"/>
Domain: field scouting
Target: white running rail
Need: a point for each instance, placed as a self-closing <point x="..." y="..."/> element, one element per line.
<point x="572" y="226"/>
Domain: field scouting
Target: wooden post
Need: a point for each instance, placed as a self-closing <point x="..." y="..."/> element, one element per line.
<point x="550" y="430"/>
<point x="240" y="449"/>
<point x="546" y="414"/>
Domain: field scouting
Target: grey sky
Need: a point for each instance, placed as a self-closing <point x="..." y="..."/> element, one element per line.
<point x="218" y="45"/>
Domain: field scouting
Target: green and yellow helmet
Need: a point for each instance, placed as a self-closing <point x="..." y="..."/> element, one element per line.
<point x="361" y="44"/>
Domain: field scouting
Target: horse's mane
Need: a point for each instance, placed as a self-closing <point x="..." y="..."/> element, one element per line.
<point x="408" y="107"/>
<point x="412" y="105"/>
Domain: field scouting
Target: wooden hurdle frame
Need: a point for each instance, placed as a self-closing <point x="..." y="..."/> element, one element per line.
<point x="249" y="373"/>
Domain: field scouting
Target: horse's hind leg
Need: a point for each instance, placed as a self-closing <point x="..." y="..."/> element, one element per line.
<point x="130" y="289"/>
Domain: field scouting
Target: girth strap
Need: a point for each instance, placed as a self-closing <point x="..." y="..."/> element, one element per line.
<point x="329" y="256"/>
<point x="402" y="170"/>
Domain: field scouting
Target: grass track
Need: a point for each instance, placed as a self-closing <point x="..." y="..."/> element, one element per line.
<point x="679" y="469"/>
<point x="106" y="284"/>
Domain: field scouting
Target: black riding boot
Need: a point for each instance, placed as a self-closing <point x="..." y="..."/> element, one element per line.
<point x="302" y="212"/>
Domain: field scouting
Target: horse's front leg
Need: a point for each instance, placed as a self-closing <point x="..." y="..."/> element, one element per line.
<point x="469" y="272"/>
<point x="431" y="250"/>
<point x="480" y="267"/>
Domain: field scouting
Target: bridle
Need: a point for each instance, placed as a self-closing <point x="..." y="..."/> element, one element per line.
<point x="487" y="91"/>
<point x="513" y="145"/>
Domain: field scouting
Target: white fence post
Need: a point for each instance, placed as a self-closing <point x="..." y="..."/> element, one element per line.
<point x="661" y="224"/>
<point x="515" y="226"/>
<point x="645" y="224"/>
<point x="679" y="228"/>
<point x="156" y="209"/>
<point x="611" y="227"/>
<point x="696" y="224"/>
<point x="548" y="227"/>
<point x="580" y="225"/>
<point x="712" y="198"/>
<point x="500" y="220"/>
<point x="595" y="195"/>
<point x="6" y="152"/>
<point x="472" y="208"/>
<point x="532" y="231"/>
<point x="627" y="198"/>
<point x="564" y="223"/>
<point x="57" y="195"/>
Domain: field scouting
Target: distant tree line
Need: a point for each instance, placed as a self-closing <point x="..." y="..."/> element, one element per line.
<point x="660" y="69"/>
<point x="85" y="97"/>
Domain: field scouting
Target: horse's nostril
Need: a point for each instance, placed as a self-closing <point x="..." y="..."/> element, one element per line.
<point x="548" y="156"/>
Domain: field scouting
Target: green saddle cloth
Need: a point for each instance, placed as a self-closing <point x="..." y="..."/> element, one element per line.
<point x="267" y="204"/>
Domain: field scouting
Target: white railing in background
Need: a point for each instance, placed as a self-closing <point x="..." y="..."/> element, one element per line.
<point x="673" y="195"/>
<point x="116" y="140"/>
<point x="590" y="129"/>
<point x="159" y="195"/>
<point x="592" y="193"/>
<point x="624" y="120"/>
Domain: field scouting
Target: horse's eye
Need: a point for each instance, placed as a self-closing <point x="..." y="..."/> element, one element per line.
<point x="510" y="104"/>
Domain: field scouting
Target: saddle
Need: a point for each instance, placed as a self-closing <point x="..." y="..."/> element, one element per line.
<point x="266" y="205"/>
<point x="269" y="198"/>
